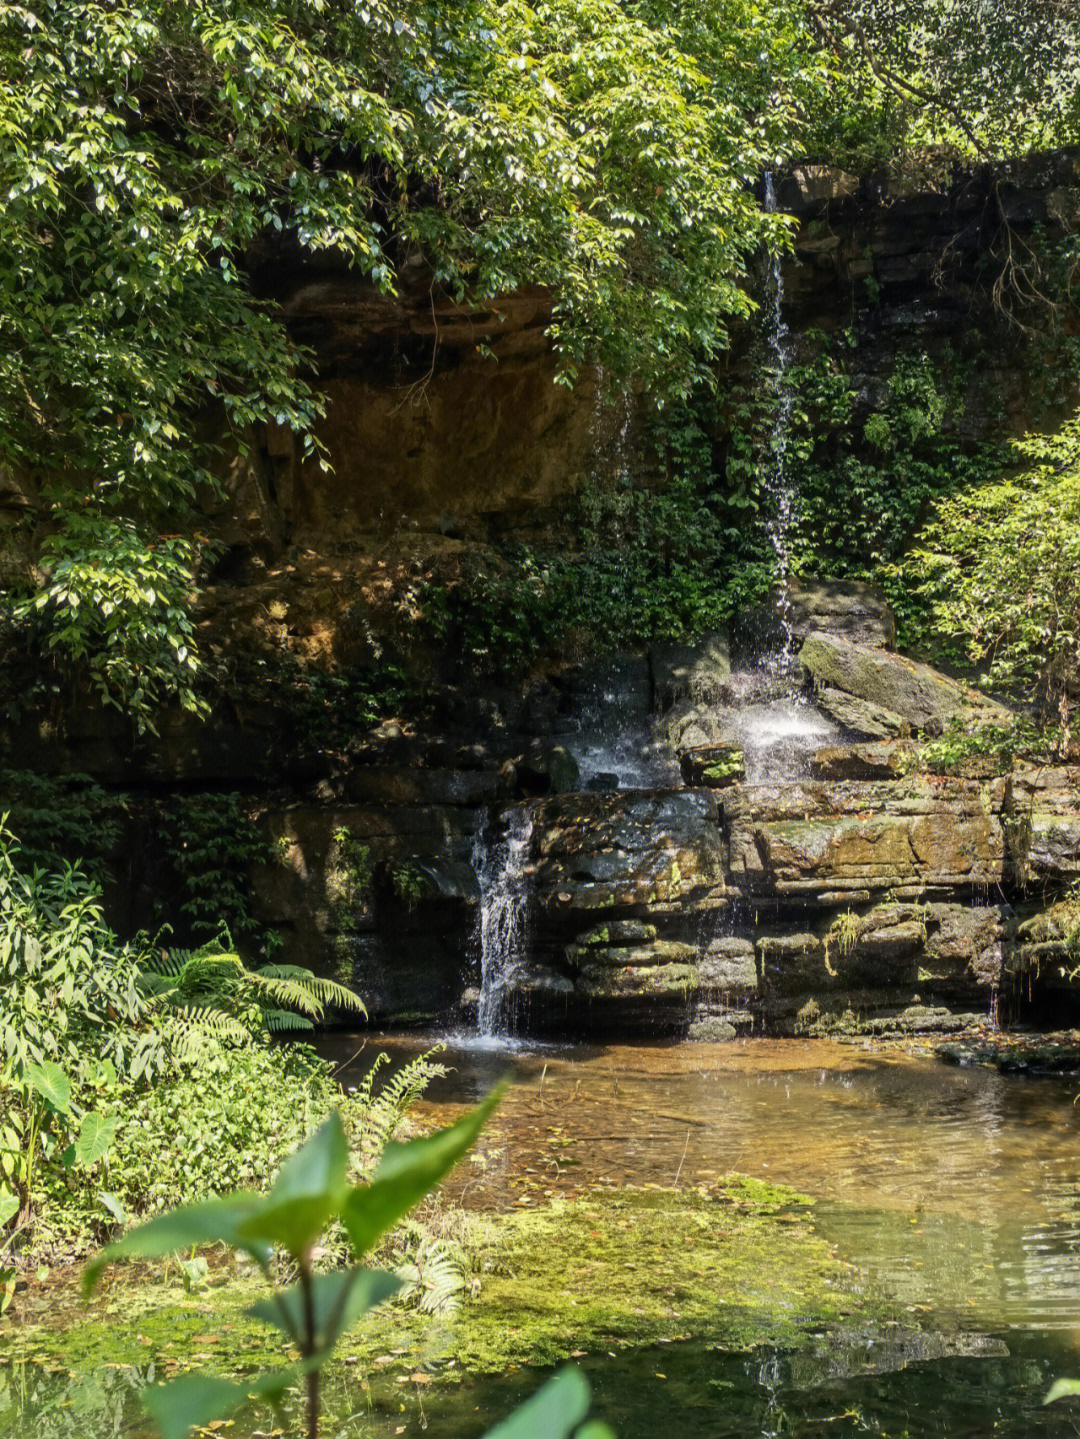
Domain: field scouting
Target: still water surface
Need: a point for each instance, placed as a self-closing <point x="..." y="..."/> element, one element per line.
<point x="955" y="1193"/>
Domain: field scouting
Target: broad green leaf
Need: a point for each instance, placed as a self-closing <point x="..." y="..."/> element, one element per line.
<point x="215" y="1221"/>
<point x="9" y="1206"/>
<point x="50" y="1081"/>
<point x="1063" y="1389"/>
<point x="595" y="1430"/>
<point x="307" y="1194"/>
<point x="552" y="1413"/>
<point x="339" y="1299"/>
<point x="96" y="1134"/>
<point x="113" y="1205"/>
<point x="195" y="1400"/>
<point x="190" y="1401"/>
<point x="406" y="1173"/>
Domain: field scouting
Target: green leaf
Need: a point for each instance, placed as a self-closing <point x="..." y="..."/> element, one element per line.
<point x="193" y="1399"/>
<point x="214" y="1221"/>
<point x="196" y="1399"/>
<point x="96" y="1134"/>
<point x="307" y="1194"/>
<point x="113" y="1205"/>
<point x="406" y="1173"/>
<point x="339" y="1299"/>
<point x="9" y="1206"/>
<point x="595" y="1430"/>
<point x="553" y="1413"/>
<point x="50" y="1081"/>
<point x="1063" y="1389"/>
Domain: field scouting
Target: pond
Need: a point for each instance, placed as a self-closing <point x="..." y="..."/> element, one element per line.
<point x="953" y="1192"/>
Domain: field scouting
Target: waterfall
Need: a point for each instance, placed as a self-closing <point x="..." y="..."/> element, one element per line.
<point x="777" y="480"/>
<point x="502" y="925"/>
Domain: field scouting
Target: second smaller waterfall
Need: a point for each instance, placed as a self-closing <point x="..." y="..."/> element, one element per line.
<point x="502" y="870"/>
<point x="777" y="479"/>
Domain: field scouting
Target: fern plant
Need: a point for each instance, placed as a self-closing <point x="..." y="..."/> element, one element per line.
<point x="381" y="1111"/>
<point x="210" y="992"/>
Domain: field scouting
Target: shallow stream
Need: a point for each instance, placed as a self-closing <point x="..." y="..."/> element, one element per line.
<point x="955" y="1193"/>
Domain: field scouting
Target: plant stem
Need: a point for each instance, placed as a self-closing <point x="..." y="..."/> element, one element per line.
<point x="308" y="1349"/>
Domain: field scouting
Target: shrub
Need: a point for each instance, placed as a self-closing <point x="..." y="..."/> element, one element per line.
<point x="999" y="569"/>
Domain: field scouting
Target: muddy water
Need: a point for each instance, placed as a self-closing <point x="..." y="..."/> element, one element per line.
<point x="953" y="1192"/>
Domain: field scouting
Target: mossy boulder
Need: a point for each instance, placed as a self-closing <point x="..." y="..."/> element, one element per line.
<point x="659" y="952"/>
<point x="698" y="671"/>
<point x="860" y="717"/>
<point x="619" y="931"/>
<point x="920" y="694"/>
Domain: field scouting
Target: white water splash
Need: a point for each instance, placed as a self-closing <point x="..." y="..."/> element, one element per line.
<point x="503" y="922"/>
<point x="777" y="739"/>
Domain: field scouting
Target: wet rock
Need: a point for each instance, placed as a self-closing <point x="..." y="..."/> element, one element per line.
<point x="720" y="1026"/>
<point x="729" y="967"/>
<point x="548" y="769"/>
<point x="860" y="717"/>
<point x="604" y="782"/>
<point x="873" y="1014"/>
<point x="714" y="766"/>
<point x="921" y="695"/>
<point x="660" y="951"/>
<point x="882" y="760"/>
<point x="619" y="931"/>
<point x="604" y="851"/>
<point x="667" y="981"/>
<point x="696" y="671"/>
<point x="849" y="609"/>
<point x="613" y="679"/>
<point x="689" y="725"/>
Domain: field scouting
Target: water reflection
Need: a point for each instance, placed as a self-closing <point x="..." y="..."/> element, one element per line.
<point x="955" y="1190"/>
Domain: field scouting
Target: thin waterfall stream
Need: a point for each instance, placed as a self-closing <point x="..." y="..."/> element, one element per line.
<point x="777" y="475"/>
<point x="503" y="919"/>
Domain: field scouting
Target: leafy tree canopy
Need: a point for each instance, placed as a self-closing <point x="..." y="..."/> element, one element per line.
<point x="984" y="79"/>
<point x="605" y="150"/>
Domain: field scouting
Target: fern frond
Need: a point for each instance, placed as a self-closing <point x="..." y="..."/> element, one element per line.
<point x="382" y="1113"/>
<point x="211" y="979"/>
<point x="277" y="1021"/>
<point x="325" y="991"/>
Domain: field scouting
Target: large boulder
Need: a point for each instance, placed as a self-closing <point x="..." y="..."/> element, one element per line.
<point x="921" y="695"/>
<point x="860" y="717"/>
<point x="599" y="851"/>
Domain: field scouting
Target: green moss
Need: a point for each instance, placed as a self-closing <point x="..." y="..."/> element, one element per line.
<point x="736" y="1264"/>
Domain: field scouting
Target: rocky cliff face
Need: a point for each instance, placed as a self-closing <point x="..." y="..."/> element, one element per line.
<point x="447" y="420"/>
<point x="842" y="890"/>
<point x="704" y="845"/>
